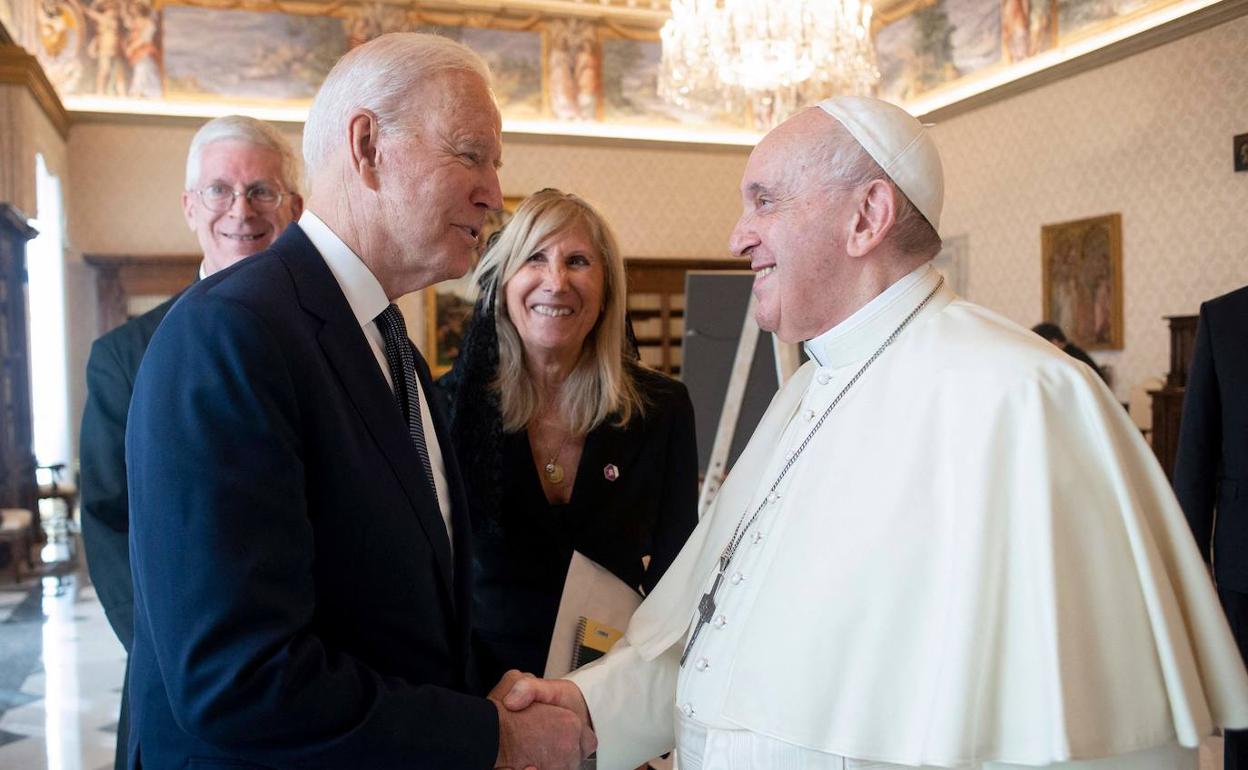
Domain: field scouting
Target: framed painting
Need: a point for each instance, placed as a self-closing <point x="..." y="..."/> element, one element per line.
<point x="1082" y="271"/>
<point x="448" y="305"/>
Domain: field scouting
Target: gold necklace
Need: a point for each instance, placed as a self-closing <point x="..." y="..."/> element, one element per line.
<point x="552" y="468"/>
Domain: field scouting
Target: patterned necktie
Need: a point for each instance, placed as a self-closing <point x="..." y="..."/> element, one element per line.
<point x="403" y="373"/>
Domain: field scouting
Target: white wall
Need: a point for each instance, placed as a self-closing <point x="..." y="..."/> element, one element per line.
<point x="1148" y="136"/>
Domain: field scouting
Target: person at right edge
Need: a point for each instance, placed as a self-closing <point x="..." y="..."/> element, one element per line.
<point x="1211" y="469"/>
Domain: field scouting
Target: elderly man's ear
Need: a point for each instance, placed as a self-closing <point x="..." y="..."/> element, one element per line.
<point x="872" y="219"/>
<point x="364" y="132"/>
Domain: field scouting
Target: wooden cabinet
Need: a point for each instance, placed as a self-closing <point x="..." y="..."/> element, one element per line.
<point x="656" y="304"/>
<point x="1168" y="400"/>
<point x="17" y="459"/>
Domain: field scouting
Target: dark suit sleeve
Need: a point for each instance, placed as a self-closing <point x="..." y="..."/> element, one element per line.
<point x="104" y="504"/>
<point x="224" y="572"/>
<point x="678" y="502"/>
<point x="1200" y="440"/>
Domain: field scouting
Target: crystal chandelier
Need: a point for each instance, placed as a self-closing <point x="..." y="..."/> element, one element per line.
<point x="772" y="56"/>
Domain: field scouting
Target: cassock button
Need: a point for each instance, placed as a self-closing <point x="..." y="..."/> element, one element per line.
<point x="687" y="709"/>
<point x="808" y="415"/>
<point x="772" y="497"/>
<point x="736" y="578"/>
<point x="758" y="538"/>
<point x="824" y="378"/>
<point x="702" y="664"/>
<point x="719" y="622"/>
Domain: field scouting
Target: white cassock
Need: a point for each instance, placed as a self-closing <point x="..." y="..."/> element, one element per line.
<point x="976" y="563"/>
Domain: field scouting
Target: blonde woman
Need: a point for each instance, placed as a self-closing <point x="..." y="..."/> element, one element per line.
<point x="567" y="442"/>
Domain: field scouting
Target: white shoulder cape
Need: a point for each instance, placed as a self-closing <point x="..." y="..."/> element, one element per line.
<point x="982" y="560"/>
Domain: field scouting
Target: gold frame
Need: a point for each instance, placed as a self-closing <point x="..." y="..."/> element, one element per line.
<point x="1082" y="274"/>
<point x="458" y="289"/>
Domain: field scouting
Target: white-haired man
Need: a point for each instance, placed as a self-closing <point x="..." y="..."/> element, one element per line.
<point x="300" y="542"/>
<point x="241" y="193"/>
<point x="945" y="544"/>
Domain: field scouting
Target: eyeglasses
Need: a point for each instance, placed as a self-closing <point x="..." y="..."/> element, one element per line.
<point x="261" y="197"/>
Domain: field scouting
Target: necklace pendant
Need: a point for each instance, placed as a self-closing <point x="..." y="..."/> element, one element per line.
<point x="554" y="472"/>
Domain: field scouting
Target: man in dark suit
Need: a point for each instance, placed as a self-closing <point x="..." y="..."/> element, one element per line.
<point x="300" y="542"/>
<point x="233" y="153"/>
<point x="1211" y="470"/>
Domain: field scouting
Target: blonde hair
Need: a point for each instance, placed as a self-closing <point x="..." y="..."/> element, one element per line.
<point x="601" y="383"/>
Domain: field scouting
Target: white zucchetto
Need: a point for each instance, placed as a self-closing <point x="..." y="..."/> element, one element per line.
<point x="900" y="144"/>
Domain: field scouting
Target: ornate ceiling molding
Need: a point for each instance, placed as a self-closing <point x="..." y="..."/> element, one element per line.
<point x="502" y="14"/>
<point x="17" y="67"/>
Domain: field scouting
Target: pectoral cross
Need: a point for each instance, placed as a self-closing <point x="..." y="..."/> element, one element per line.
<point x="706" y="609"/>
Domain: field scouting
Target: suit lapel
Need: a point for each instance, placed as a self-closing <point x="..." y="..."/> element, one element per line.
<point x="348" y="351"/>
<point x="610" y="453"/>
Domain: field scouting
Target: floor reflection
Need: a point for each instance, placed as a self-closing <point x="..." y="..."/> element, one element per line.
<point x="61" y="669"/>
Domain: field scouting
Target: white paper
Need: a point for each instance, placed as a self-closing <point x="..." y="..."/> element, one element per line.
<point x="590" y="591"/>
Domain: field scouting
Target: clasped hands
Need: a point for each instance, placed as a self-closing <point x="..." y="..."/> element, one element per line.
<point x="543" y="724"/>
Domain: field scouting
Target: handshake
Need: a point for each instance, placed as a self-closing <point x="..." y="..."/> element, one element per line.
<point x="542" y="723"/>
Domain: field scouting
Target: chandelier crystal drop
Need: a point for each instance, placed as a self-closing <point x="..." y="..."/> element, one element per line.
<point x="770" y="56"/>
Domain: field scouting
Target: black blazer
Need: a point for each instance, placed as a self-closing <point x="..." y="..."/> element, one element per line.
<point x="1211" y="470"/>
<point x="111" y="369"/>
<point x="635" y="494"/>
<point x="297" y="602"/>
<point x="104" y="504"/>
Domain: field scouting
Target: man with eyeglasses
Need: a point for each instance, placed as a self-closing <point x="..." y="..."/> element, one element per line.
<point x="240" y="195"/>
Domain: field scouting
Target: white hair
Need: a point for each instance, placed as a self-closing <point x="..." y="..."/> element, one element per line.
<point x="240" y="128"/>
<point x="844" y="163"/>
<point x="378" y="76"/>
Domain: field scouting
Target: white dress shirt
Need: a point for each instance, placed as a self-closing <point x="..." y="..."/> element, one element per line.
<point x="367" y="300"/>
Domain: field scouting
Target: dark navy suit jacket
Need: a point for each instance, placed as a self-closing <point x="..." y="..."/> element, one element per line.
<point x="297" y="603"/>
<point x="1211" y="470"/>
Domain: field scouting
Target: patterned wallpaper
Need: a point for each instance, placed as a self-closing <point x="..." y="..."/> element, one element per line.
<point x="663" y="200"/>
<point x="24" y="131"/>
<point x="1148" y="136"/>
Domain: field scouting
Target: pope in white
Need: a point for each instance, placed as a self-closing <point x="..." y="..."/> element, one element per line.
<point x="945" y="545"/>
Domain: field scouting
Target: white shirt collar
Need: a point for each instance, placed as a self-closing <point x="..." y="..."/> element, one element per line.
<point x="362" y="289"/>
<point x="864" y="331"/>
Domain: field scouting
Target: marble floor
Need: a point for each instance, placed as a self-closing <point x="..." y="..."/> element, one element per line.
<point x="61" y="669"/>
